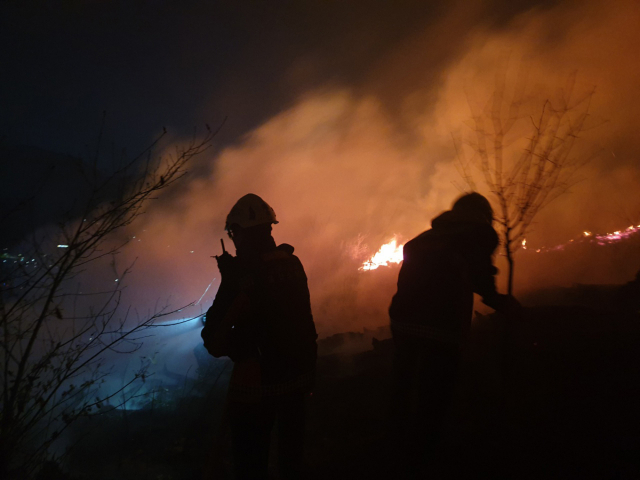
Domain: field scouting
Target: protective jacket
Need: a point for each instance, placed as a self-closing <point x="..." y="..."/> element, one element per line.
<point x="442" y="269"/>
<point x="261" y="318"/>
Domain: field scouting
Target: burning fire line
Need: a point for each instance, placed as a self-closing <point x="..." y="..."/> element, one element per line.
<point x="599" y="239"/>
<point x="391" y="252"/>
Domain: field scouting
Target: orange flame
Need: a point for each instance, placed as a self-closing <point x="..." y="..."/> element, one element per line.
<point x="389" y="253"/>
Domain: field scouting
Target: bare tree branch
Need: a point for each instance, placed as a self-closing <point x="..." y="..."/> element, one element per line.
<point x="522" y="183"/>
<point x="53" y="337"/>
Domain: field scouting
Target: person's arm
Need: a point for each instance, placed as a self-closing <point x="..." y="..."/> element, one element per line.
<point x="214" y="319"/>
<point x="226" y="311"/>
<point x="484" y="284"/>
<point x="221" y="319"/>
<point x="483" y="278"/>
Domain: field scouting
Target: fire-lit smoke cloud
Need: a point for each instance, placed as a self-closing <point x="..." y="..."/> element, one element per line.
<point x="346" y="169"/>
<point x="324" y="166"/>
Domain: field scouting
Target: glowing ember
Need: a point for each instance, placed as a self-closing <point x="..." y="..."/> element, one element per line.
<point x="389" y="253"/>
<point x="598" y="239"/>
<point x="618" y="234"/>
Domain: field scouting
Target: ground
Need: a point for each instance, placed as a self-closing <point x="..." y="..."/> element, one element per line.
<point x="559" y="402"/>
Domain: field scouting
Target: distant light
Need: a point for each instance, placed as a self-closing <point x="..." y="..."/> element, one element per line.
<point x="116" y="279"/>
<point x="63" y="246"/>
<point x="191" y="251"/>
<point x="587" y="234"/>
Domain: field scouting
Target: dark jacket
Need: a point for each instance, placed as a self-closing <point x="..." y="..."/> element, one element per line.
<point x="442" y="269"/>
<point x="261" y="318"/>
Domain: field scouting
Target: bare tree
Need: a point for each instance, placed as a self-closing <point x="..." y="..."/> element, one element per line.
<point x="526" y="180"/>
<point x="52" y="348"/>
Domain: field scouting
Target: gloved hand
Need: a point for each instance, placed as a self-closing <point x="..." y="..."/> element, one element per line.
<point x="227" y="264"/>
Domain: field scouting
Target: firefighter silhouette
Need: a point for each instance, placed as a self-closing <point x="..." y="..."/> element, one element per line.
<point x="431" y="313"/>
<point x="261" y="318"/>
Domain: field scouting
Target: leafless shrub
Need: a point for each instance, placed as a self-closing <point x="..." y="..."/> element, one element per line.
<point x="52" y="349"/>
<point x="524" y="180"/>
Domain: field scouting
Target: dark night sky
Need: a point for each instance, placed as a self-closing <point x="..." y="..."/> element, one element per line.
<point x="178" y="64"/>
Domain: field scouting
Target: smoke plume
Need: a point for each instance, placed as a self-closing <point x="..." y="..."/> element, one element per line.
<point x="348" y="167"/>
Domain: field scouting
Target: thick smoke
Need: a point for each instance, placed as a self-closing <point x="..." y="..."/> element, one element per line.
<point x="346" y="169"/>
<point x="341" y="184"/>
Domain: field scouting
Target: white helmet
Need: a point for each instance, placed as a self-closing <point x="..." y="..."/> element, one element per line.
<point x="249" y="211"/>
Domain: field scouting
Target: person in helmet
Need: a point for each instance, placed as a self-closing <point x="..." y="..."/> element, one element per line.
<point x="430" y="314"/>
<point x="261" y="318"/>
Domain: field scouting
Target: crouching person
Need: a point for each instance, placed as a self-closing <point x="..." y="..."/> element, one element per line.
<point x="261" y="319"/>
<point x="431" y="313"/>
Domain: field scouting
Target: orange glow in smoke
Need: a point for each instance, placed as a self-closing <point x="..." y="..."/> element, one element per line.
<point x="389" y="253"/>
<point x="392" y="252"/>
